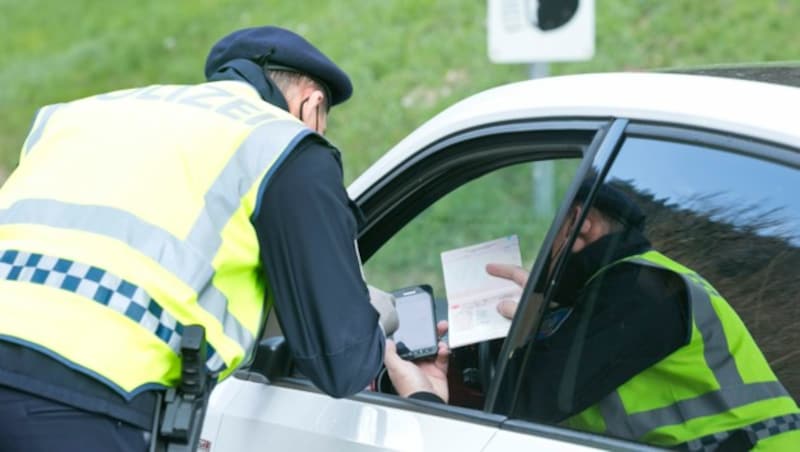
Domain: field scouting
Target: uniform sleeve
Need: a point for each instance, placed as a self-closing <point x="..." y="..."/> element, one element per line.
<point x="624" y="323"/>
<point x="306" y="232"/>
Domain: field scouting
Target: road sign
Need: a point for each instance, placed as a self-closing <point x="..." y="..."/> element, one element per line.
<point x="527" y="31"/>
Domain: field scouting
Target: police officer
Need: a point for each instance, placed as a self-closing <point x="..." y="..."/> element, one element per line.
<point x="136" y="213"/>
<point x="637" y="346"/>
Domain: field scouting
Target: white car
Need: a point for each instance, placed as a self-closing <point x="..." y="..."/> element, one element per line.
<point x="713" y="162"/>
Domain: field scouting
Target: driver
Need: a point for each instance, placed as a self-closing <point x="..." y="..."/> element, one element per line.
<point x="655" y="363"/>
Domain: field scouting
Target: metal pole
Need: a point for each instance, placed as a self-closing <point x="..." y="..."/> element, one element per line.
<point x="543" y="174"/>
<point x="538" y="70"/>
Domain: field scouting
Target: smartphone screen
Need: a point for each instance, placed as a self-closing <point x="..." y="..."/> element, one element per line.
<point x="417" y="330"/>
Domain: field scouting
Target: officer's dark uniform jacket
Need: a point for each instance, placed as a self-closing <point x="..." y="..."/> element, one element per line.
<point x="664" y="360"/>
<point x="197" y="195"/>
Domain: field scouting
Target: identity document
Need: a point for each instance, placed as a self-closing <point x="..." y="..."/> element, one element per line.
<point x="473" y="294"/>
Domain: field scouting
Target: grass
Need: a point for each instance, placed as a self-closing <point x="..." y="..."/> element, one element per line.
<point x="490" y="207"/>
<point x="408" y="60"/>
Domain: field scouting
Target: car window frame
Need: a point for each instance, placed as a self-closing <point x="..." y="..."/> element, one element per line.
<point x="721" y="140"/>
<point x="472" y="416"/>
<point x="528" y="316"/>
<point x="395" y="191"/>
<point x="375" y="204"/>
<point x="602" y="163"/>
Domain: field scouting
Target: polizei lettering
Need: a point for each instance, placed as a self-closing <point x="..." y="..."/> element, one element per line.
<point x="206" y="97"/>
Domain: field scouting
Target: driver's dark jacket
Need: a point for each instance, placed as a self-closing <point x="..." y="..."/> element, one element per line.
<point x="306" y="231"/>
<point x="633" y="316"/>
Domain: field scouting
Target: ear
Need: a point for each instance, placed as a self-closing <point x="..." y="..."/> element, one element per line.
<point x="316" y="98"/>
<point x="587" y="225"/>
<point x="312" y="109"/>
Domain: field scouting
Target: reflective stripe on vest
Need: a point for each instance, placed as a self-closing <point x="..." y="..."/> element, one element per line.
<point x="760" y="430"/>
<point x="190" y="259"/>
<point x="104" y="288"/>
<point x="201" y="261"/>
<point x="732" y="393"/>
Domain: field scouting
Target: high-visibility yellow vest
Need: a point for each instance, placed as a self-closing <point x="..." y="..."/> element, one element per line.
<point x="129" y="217"/>
<point x="718" y="383"/>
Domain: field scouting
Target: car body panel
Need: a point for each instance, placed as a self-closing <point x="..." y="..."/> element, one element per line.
<point x="261" y="416"/>
<point x="505" y="441"/>
<point x="251" y="415"/>
<point x="745" y="107"/>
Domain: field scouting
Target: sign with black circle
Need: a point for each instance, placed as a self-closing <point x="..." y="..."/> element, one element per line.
<point x="529" y="31"/>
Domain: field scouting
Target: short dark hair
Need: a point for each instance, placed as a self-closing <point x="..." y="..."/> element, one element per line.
<point x="614" y="203"/>
<point x="286" y="79"/>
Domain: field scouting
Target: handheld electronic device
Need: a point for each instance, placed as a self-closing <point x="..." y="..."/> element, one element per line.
<point x="416" y="335"/>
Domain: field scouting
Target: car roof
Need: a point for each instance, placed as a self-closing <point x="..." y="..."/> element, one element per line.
<point x="760" y="110"/>
<point x="779" y="72"/>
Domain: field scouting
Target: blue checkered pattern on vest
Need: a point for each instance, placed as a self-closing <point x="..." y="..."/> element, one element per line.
<point x="760" y="430"/>
<point x="96" y="284"/>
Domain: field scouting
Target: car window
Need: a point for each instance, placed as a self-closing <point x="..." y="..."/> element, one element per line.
<point x="501" y="203"/>
<point x="734" y="220"/>
<point x="515" y="200"/>
<point x="685" y="222"/>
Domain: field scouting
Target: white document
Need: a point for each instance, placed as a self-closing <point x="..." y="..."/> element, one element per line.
<point x="473" y="294"/>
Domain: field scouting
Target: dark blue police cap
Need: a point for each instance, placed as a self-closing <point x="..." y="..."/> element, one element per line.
<point x="615" y="203"/>
<point x="281" y="49"/>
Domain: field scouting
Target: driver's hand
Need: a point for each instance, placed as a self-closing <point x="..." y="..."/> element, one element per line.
<point x="507" y="308"/>
<point x="428" y="375"/>
<point x="508" y="271"/>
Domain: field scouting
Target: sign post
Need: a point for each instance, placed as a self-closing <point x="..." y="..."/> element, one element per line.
<point x="537" y="32"/>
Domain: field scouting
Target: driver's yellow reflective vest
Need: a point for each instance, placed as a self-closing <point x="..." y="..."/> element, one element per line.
<point x="129" y="217"/>
<point x="718" y="383"/>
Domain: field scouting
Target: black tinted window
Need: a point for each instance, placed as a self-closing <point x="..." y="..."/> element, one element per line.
<point x="671" y="216"/>
<point x="733" y="219"/>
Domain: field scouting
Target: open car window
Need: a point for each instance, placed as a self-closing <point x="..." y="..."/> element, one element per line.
<point x="711" y="267"/>
<point x="508" y="201"/>
<point x="520" y="200"/>
<point x="472" y="187"/>
<point x="475" y="186"/>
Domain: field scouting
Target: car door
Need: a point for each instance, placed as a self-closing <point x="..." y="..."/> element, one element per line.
<point x="482" y="184"/>
<point x="480" y="171"/>
<point x="485" y="183"/>
<point x="471" y="186"/>
<point x="721" y="204"/>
